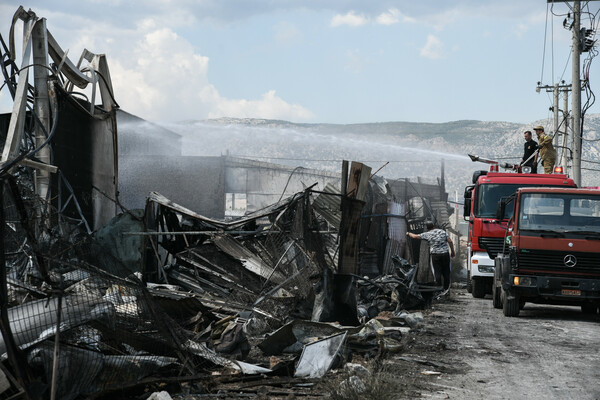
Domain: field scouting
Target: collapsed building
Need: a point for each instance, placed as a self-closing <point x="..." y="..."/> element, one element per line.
<point x="101" y="292"/>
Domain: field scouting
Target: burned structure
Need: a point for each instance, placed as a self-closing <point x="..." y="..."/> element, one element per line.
<point x="97" y="297"/>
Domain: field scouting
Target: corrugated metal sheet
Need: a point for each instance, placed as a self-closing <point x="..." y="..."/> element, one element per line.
<point x="328" y="206"/>
<point x="251" y="261"/>
<point x="397" y="224"/>
<point x="440" y="210"/>
<point x="396" y="243"/>
<point x="392" y="248"/>
<point x="331" y="243"/>
<point x="368" y="264"/>
<point x="272" y="209"/>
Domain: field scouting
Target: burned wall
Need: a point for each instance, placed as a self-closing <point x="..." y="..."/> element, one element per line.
<point x="266" y="183"/>
<point x="85" y="151"/>
<point x="197" y="183"/>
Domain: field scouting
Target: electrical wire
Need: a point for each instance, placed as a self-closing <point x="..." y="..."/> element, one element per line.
<point x="545" y="40"/>
<point x="566" y="65"/>
<point x="6" y="81"/>
<point x="288" y="182"/>
<point x="22" y="69"/>
<point x="590" y="161"/>
<point x="552" y="25"/>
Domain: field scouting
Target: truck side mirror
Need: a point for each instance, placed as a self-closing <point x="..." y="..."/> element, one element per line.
<point x="467" y="203"/>
<point x="501" y="210"/>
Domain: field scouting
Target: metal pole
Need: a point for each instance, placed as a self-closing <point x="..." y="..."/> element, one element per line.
<point x="565" y="154"/>
<point x="576" y="99"/>
<point x="55" y="362"/>
<point x="556" y="110"/>
<point x="41" y="105"/>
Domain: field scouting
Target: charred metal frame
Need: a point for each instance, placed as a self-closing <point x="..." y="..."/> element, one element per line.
<point x="41" y="102"/>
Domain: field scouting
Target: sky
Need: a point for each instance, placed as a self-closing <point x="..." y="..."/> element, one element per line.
<point x="319" y="61"/>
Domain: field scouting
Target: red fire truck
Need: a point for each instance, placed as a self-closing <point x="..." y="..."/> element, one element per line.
<point x="551" y="251"/>
<point x="485" y="233"/>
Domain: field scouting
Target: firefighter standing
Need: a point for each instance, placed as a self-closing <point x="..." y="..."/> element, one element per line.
<point x="529" y="154"/>
<point x="546" y="150"/>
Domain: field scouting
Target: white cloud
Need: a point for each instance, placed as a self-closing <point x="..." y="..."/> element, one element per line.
<point x="270" y="106"/>
<point x="160" y="76"/>
<point x="351" y="18"/>
<point x="169" y="81"/>
<point x="433" y="48"/>
<point x="389" y="18"/>
<point x="393" y="16"/>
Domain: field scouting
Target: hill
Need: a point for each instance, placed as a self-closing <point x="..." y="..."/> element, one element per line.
<point x="412" y="149"/>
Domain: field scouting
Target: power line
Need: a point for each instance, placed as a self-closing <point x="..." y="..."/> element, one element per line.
<point x="545" y="40"/>
<point x="593" y="162"/>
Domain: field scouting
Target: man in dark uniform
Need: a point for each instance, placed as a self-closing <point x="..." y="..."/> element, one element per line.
<point x="530" y="147"/>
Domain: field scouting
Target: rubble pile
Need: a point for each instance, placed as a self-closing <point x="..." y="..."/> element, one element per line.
<point x="248" y="296"/>
<point x="97" y="299"/>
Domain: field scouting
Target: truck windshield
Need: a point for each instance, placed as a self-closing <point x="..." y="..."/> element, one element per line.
<point x="488" y="196"/>
<point x="560" y="212"/>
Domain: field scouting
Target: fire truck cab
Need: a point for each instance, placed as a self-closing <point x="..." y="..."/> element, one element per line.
<point x="550" y="250"/>
<point x="486" y="234"/>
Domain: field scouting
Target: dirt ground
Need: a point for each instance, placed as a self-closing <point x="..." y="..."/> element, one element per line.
<point x="466" y="349"/>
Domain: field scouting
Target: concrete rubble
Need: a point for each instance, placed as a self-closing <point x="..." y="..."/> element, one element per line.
<point x="97" y="299"/>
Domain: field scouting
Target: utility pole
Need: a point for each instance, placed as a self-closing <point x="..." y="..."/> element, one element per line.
<point x="581" y="43"/>
<point x="576" y="97"/>
<point x="556" y="89"/>
<point x="555" y="109"/>
<point x="565" y="142"/>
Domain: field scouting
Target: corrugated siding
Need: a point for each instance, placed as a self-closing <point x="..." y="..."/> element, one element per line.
<point x="396" y="243"/>
<point x="329" y="206"/>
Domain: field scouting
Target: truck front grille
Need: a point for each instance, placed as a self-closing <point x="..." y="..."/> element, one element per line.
<point x="493" y="246"/>
<point x="555" y="260"/>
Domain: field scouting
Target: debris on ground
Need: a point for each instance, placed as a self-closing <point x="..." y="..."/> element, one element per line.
<point x="97" y="299"/>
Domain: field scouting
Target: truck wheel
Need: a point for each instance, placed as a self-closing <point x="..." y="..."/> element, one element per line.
<point x="478" y="288"/>
<point x="510" y="308"/>
<point x="496" y="300"/>
<point x="469" y="285"/>
<point x="588" y="308"/>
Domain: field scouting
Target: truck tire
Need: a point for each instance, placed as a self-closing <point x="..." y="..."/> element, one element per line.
<point x="496" y="299"/>
<point x="469" y="285"/>
<point x="510" y="308"/>
<point x="588" y="308"/>
<point x="478" y="288"/>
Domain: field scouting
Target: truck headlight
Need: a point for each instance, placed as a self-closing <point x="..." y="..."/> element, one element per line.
<point x="486" y="268"/>
<point x="525" y="281"/>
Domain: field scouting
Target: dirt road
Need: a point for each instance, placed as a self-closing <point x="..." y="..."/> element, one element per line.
<point x="466" y="349"/>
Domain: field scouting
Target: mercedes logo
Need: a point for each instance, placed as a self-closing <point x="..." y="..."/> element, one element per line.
<point x="570" y="260"/>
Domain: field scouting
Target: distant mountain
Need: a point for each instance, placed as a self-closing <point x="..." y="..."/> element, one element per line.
<point x="413" y="149"/>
